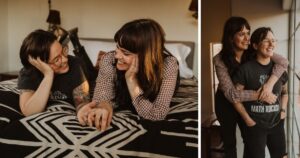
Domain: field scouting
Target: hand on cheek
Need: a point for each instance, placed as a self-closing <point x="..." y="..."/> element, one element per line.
<point x="133" y="69"/>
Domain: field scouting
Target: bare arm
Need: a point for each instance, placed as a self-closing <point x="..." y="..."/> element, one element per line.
<point x="284" y="101"/>
<point x="227" y="86"/>
<point x="32" y="102"/>
<point x="81" y="95"/>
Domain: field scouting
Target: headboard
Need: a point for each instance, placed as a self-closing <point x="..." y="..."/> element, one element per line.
<point x="180" y="49"/>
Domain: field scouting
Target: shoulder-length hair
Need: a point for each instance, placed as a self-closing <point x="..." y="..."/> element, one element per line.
<point x="36" y="44"/>
<point x="232" y="26"/>
<point x="145" y="37"/>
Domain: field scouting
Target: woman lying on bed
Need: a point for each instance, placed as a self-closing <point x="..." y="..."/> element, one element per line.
<point x="49" y="74"/>
<point x="140" y="76"/>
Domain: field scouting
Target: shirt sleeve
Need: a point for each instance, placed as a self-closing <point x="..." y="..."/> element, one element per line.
<point x="281" y="65"/>
<point x="226" y="85"/>
<point x="104" y="90"/>
<point x="158" y="109"/>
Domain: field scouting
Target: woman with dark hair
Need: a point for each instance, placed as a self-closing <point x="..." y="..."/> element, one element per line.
<point x="140" y="76"/>
<point x="47" y="69"/>
<point x="235" y="41"/>
<point x="264" y="122"/>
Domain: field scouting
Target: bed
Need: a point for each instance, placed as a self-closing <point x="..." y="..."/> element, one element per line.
<point x="57" y="133"/>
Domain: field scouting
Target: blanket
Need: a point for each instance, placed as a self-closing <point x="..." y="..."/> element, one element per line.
<point x="57" y="132"/>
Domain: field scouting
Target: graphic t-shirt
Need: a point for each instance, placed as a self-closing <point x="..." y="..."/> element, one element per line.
<point x="253" y="75"/>
<point x="63" y="84"/>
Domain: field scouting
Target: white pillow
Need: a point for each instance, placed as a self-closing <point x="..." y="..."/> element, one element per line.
<point x="181" y="51"/>
<point x="178" y="50"/>
<point x="92" y="48"/>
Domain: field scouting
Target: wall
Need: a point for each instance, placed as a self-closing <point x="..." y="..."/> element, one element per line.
<point x="213" y="15"/>
<point x="99" y="19"/>
<point x="3" y="36"/>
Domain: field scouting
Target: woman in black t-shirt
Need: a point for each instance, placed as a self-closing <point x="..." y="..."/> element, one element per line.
<point x="49" y="74"/>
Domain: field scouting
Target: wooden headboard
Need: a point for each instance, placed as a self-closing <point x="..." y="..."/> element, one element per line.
<point x="189" y="59"/>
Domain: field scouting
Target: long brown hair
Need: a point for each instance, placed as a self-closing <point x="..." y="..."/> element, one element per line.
<point x="145" y="37"/>
<point x="232" y="26"/>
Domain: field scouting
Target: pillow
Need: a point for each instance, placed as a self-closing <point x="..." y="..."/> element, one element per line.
<point x="178" y="50"/>
<point x="92" y="48"/>
<point x="181" y="51"/>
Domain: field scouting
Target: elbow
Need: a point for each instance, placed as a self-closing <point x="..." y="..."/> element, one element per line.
<point x="157" y="115"/>
<point x="231" y="95"/>
<point x="26" y="111"/>
<point x="285" y="65"/>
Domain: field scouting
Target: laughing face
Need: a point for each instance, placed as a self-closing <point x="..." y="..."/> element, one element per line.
<point x="124" y="58"/>
<point x="58" y="58"/>
<point x="266" y="47"/>
<point x="241" y="39"/>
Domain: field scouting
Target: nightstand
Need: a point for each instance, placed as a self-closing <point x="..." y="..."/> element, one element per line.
<point x="8" y="75"/>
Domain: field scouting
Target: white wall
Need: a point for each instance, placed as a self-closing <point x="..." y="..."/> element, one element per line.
<point x="3" y="36"/>
<point x="99" y="19"/>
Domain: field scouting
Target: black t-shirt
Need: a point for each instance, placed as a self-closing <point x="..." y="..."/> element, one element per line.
<point x="63" y="84"/>
<point x="253" y="75"/>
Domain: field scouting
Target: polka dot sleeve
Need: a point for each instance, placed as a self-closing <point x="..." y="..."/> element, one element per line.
<point x="158" y="109"/>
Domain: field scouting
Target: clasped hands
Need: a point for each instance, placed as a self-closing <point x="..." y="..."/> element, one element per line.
<point x="266" y="94"/>
<point x="96" y="115"/>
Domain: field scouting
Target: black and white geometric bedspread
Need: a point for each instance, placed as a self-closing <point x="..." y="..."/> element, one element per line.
<point x="57" y="133"/>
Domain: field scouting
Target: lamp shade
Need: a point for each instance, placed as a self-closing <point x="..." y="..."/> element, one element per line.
<point x="53" y="17"/>
<point x="194" y="5"/>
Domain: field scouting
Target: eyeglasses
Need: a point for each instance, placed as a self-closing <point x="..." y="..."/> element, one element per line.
<point x="58" y="60"/>
<point x="269" y="41"/>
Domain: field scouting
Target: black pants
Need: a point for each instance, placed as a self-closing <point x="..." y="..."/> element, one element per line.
<point x="257" y="138"/>
<point x="228" y="118"/>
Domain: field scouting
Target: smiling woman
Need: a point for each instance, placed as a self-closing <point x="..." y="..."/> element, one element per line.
<point x="47" y="68"/>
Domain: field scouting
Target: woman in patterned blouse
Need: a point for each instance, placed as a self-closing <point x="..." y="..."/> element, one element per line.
<point x="140" y="75"/>
<point x="235" y="41"/>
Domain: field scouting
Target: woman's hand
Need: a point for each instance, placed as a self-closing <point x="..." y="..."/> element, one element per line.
<point x="40" y="65"/>
<point x="266" y="95"/>
<point x="250" y="122"/>
<point x="83" y="112"/>
<point x="282" y="114"/>
<point x="130" y="74"/>
<point x="101" y="116"/>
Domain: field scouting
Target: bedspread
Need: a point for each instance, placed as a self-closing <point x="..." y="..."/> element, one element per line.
<point x="57" y="132"/>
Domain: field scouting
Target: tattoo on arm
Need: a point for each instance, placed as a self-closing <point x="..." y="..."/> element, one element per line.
<point x="81" y="95"/>
<point x="284" y="89"/>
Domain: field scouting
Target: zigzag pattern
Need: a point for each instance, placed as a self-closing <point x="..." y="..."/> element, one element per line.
<point x="59" y="132"/>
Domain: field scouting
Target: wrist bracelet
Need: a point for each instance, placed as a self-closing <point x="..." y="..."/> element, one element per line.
<point x="282" y="110"/>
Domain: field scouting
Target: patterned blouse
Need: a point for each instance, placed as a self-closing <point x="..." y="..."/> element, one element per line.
<point x="156" y="110"/>
<point x="228" y="88"/>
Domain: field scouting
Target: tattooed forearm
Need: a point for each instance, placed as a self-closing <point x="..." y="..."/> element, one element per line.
<point x="81" y="95"/>
<point x="284" y="89"/>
